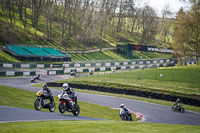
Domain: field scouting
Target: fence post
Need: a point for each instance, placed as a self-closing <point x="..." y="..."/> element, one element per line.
<point x="139" y="73"/>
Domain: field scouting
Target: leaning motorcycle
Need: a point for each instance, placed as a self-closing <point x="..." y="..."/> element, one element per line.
<point x="178" y="107"/>
<point x="67" y="104"/>
<point x="33" y="79"/>
<point x="126" y="116"/>
<point x="42" y="102"/>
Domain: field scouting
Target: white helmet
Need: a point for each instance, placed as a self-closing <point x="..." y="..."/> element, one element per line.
<point x="65" y="86"/>
<point x="122" y="105"/>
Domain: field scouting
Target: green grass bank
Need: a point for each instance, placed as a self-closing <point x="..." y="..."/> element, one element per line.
<point x="95" y="127"/>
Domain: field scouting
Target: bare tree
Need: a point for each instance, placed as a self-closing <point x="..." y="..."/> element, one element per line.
<point x="49" y="14"/>
<point x="9" y="4"/>
<point x="37" y="6"/>
<point x="166" y="23"/>
<point x="149" y="24"/>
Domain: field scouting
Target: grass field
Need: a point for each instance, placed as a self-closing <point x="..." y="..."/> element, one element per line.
<point x="4" y="57"/>
<point x="149" y="55"/>
<point x="95" y="127"/>
<point x="93" y="56"/>
<point x="180" y="81"/>
<point x="24" y="99"/>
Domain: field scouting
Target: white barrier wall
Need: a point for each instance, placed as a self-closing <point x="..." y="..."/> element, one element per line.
<point x="123" y="67"/>
<point x="10" y="73"/>
<point x="40" y="65"/>
<point x="125" y="63"/>
<point x="76" y="65"/>
<point x="66" y="65"/>
<point x="52" y="72"/>
<point x="102" y="69"/>
<point x="87" y="65"/>
<point x="141" y="62"/>
<point x="8" y="65"/>
<point x="98" y="64"/>
<point x="107" y="64"/>
<point x="116" y="63"/>
<point x="26" y="73"/>
<point x="24" y="65"/>
<point x="133" y="63"/>
<point x="132" y="67"/>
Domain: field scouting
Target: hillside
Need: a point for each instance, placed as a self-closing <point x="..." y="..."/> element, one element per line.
<point x="50" y="32"/>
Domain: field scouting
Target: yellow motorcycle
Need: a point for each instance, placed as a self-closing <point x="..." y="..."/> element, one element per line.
<point x="43" y="102"/>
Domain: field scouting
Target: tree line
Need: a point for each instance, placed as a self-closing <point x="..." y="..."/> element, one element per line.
<point x="186" y="35"/>
<point x="83" y="23"/>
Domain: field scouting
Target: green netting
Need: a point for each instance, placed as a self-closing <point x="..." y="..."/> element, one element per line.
<point x="37" y="51"/>
<point x="19" y="50"/>
<point x="54" y="52"/>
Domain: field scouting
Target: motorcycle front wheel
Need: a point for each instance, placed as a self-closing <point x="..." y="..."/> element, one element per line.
<point x="123" y="117"/>
<point x="37" y="104"/>
<point x="173" y="108"/>
<point x="182" y="110"/>
<point x="77" y="110"/>
<point x="52" y="107"/>
<point x="61" y="108"/>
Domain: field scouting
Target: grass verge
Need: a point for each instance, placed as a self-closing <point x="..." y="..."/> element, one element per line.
<point x="95" y="127"/>
<point x="179" y="81"/>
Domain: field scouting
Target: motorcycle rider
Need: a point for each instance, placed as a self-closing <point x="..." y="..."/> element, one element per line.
<point x="49" y="94"/>
<point x="178" y="101"/>
<point x="124" y="110"/>
<point x="70" y="92"/>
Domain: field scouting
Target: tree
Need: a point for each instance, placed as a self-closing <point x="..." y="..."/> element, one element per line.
<point x="193" y="29"/>
<point x="180" y="37"/>
<point x="49" y="14"/>
<point x="166" y="23"/>
<point x="149" y="24"/>
<point x="37" y="6"/>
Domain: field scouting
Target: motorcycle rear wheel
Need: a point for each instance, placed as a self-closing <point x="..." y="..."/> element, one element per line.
<point x="61" y="108"/>
<point x="37" y="104"/>
<point x="130" y="118"/>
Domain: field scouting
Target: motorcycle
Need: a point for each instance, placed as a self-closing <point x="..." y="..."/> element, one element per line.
<point x="33" y="79"/>
<point x="38" y="77"/>
<point x="178" y="107"/>
<point x="126" y="116"/>
<point x="42" y="102"/>
<point x="73" y="73"/>
<point x="67" y="104"/>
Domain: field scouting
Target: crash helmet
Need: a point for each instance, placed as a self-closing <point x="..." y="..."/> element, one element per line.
<point x="121" y="105"/>
<point x="45" y="86"/>
<point x="65" y="86"/>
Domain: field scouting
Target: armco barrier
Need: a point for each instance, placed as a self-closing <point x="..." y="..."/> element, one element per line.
<point x="89" y="64"/>
<point x="17" y="73"/>
<point x="154" y="95"/>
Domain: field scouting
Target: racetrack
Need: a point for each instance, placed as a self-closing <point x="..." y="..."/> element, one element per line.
<point x="153" y="113"/>
<point x="12" y="114"/>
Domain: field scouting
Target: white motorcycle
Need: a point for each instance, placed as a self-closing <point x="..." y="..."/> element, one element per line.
<point x="67" y="104"/>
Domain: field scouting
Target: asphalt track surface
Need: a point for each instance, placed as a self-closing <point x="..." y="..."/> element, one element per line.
<point x="152" y="113"/>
